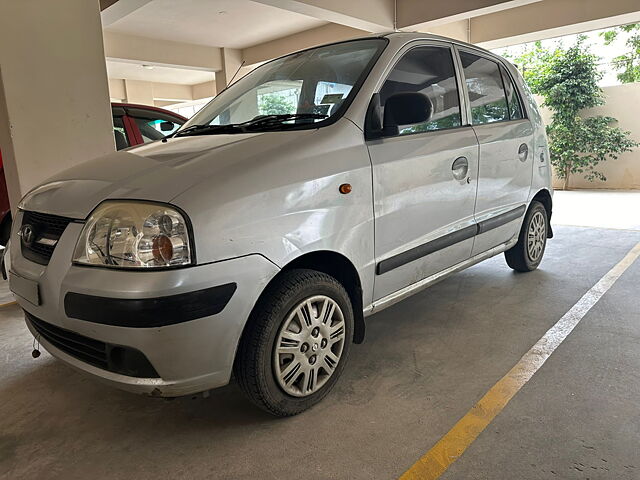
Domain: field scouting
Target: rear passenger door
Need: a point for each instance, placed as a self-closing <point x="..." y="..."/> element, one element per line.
<point x="505" y="136"/>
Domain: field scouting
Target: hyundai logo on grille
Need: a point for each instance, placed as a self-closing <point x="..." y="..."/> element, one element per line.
<point x="28" y="235"/>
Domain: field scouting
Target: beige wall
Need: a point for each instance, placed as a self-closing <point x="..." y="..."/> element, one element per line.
<point x="156" y="93"/>
<point x="117" y="91"/>
<point x="139" y="92"/>
<point x="172" y="92"/>
<point x="203" y="90"/>
<point x="623" y="173"/>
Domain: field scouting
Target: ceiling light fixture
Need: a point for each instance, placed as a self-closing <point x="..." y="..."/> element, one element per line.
<point x="148" y="67"/>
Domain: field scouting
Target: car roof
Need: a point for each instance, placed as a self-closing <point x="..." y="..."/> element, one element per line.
<point x="411" y="36"/>
<point x="401" y="38"/>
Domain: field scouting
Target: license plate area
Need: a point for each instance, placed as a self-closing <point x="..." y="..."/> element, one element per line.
<point x="24" y="288"/>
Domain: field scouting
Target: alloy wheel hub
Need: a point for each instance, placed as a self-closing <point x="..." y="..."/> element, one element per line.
<point x="536" y="236"/>
<point x="309" y="346"/>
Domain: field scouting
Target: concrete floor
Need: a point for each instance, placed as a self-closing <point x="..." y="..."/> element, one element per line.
<point x="425" y="362"/>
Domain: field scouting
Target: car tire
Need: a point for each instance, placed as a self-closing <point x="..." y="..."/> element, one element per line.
<point x="282" y="344"/>
<point x="527" y="254"/>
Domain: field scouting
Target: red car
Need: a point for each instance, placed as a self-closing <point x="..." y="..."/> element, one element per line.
<point x="132" y="125"/>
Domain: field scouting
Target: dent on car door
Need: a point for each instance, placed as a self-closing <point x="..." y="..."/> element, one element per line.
<point x="424" y="177"/>
<point x="505" y="136"/>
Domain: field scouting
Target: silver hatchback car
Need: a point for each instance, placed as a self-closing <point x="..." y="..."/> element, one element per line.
<point x="322" y="187"/>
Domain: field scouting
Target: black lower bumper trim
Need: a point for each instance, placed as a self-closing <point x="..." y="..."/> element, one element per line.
<point x="113" y="358"/>
<point x="149" y="312"/>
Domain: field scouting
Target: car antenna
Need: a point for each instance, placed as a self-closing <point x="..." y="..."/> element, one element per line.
<point x="232" y="78"/>
<point x="236" y="74"/>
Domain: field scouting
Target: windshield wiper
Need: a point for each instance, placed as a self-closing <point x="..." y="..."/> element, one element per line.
<point x="208" y="129"/>
<point x="257" y="122"/>
<point x="269" y="120"/>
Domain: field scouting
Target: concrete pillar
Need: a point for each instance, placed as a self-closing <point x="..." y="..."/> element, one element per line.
<point x="117" y="92"/>
<point x="54" y="98"/>
<point x="203" y="90"/>
<point x="139" y="91"/>
<point x="231" y="62"/>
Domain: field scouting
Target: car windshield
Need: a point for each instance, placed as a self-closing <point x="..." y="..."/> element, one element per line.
<point x="296" y="91"/>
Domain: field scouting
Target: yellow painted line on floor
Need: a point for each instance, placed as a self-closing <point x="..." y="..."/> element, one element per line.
<point x="7" y="304"/>
<point x="450" y="447"/>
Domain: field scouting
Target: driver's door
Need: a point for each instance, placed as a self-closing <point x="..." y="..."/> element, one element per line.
<point x="424" y="178"/>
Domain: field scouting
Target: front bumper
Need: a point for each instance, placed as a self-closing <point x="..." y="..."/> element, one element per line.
<point x="191" y="352"/>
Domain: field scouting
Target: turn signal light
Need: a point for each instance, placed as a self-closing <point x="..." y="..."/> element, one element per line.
<point x="345" y="188"/>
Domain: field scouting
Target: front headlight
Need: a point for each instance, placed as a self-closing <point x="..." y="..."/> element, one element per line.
<point x="134" y="235"/>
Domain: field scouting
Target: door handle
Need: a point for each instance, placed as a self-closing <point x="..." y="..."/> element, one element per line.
<point x="523" y="152"/>
<point x="460" y="168"/>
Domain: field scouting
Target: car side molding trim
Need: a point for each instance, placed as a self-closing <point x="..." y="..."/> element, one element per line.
<point x="409" y="290"/>
<point x="426" y="249"/>
<point x="448" y="240"/>
<point x="149" y="312"/>
<point x="502" y="219"/>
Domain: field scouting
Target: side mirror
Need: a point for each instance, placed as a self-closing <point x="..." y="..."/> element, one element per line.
<point x="167" y="126"/>
<point x="407" y="108"/>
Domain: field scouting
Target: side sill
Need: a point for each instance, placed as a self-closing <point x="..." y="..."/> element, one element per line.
<point x="409" y="290"/>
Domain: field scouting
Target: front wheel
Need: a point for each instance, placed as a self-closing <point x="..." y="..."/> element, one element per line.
<point x="296" y="342"/>
<point x="527" y="254"/>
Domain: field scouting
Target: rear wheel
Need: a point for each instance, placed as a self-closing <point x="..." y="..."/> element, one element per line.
<point x="527" y="254"/>
<point x="296" y="342"/>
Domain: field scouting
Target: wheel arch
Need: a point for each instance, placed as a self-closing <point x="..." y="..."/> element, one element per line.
<point x="544" y="197"/>
<point x="342" y="269"/>
<point x="339" y="267"/>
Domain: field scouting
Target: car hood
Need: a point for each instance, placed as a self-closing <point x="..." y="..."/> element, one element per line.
<point x="157" y="172"/>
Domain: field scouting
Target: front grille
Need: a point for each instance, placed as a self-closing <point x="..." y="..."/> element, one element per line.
<point x="114" y="358"/>
<point x="47" y="230"/>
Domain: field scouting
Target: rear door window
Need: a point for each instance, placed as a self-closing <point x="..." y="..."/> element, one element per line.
<point x="487" y="96"/>
<point x="513" y="99"/>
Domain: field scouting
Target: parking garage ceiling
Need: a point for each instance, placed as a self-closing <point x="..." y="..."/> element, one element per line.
<point x="220" y="23"/>
<point x="187" y="42"/>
